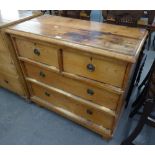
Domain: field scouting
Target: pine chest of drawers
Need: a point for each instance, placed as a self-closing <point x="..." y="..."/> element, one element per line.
<point x="9" y="73"/>
<point x="79" y="69"/>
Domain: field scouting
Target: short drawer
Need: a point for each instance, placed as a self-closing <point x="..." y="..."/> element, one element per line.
<point x="39" y="52"/>
<point x="76" y="87"/>
<point x="65" y="102"/>
<point x="106" y="70"/>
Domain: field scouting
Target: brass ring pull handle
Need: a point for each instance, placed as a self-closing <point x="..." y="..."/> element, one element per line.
<point x="91" y="67"/>
<point x="89" y="112"/>
<point x="6" y="81"/>
<point x="90" y="92"/>
<point x="47" y="94"/>
<point x="42" y="74"/>
<point x="61" y="50"/>
<point x="36" y="51"/>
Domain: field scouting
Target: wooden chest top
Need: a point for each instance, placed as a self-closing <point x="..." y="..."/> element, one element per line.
<point x="12" y="17"/>
<point x="120" y="42"/>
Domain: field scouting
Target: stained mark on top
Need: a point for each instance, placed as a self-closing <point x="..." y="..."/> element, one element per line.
<point x="84" y="35"/>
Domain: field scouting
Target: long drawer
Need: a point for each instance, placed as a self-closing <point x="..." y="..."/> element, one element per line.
<point x="106" y="70"/>
<point x="87" y="91"/>
<point x="41" y="52"/>
<point x="85" y="111"/>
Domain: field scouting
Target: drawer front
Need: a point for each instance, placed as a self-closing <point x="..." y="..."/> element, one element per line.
<point x="11" y="83"/>
<point x="78" y="88"/>
<point x="105" y="70"/>
<point x="43" y="53"/>
<point x="67" y="103"/>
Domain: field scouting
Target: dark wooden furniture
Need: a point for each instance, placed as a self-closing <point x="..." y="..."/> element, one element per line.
<point x="151" y="29"/>
<point x="145" y="99"/>
<point x="78" y="14"/>
<point x="123" y="17"/>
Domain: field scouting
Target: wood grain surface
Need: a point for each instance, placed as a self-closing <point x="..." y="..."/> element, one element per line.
<point x="111" y="39"/>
